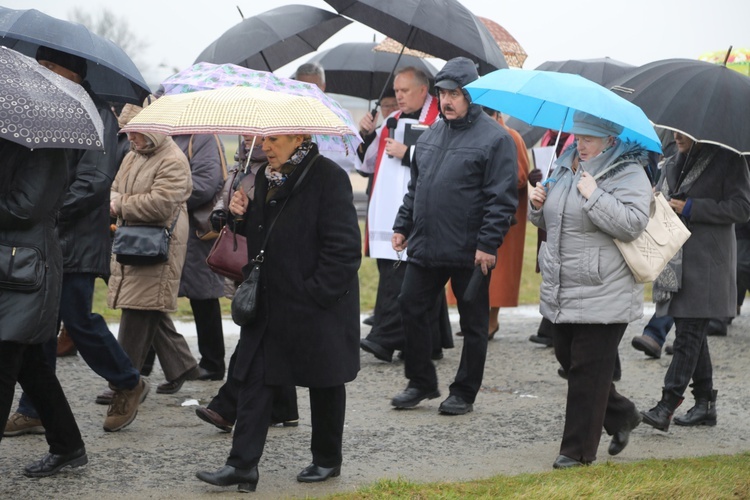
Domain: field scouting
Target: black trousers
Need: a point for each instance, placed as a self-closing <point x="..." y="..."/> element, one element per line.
<point x="26" y="364"/>
<point x="327" y="411"/>
<point x="588" y="353"/>
<point x="207" y="315"/>
<point x="691" y="358"/>
<point x="421" y="288"/>
<point x="284" y="406"/>
<point x="388" y="329"/>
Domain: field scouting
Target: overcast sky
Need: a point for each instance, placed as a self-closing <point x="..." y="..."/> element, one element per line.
<point x="635" y="32"/>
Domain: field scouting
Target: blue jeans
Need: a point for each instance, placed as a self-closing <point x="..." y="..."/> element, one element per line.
<point x="658" y="328"/>
<point x="96" y="344"/>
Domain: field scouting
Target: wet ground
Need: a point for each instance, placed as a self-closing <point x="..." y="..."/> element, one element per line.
<point x="515" y="427"/>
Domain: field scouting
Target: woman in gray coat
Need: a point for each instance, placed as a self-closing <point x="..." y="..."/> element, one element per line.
<point x="599" y="192"/>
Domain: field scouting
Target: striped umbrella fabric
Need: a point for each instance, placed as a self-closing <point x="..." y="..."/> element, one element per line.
<point x="237" y="110"/>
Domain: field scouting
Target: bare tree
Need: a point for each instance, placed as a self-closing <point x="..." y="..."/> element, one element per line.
<point x="109" y="26"/>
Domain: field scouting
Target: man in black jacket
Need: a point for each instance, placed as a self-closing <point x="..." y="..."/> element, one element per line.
<point x="461" y="198"/>
<point x="83" y="228"/>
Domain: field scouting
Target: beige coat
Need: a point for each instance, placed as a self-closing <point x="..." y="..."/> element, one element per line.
<point x="151" y="188"/>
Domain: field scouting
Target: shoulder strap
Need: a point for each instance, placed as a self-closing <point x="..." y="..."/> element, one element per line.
<point x="222" y="156"/>
<point x="190" y="148"/>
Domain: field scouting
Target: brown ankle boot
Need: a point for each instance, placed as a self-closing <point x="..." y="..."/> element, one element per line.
<point x="65" y="345"/>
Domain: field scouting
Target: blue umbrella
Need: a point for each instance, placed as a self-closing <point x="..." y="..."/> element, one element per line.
<point x="547" y="99"/>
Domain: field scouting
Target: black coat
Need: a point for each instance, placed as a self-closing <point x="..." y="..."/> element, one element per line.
<point x="309" y="299"/>
<point x="84" y="216"/>
<point x="462" y="193"/>
<point x="32" y="185"/>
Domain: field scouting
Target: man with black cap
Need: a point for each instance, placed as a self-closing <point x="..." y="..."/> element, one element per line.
<point x="460" y="202"/>
<point x="83" y="228"/>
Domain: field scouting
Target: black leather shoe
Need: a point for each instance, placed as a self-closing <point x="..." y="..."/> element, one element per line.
<point x="539" y="339"/>
<point x="245" y="479"/>
<point x="213" y="418"/>
<point x="52" y="464"/>
<point x="620" y="438"/>
<point x="376" y="350"/>
<point x="412" y="396"/>
<point x="207" y="375"/>
<point x="174" y="386"/>
<point x="369" y="321"/>
<point x="454" y="405"/>
<point x="563" y="462"/>
<point x="315" y="474"/>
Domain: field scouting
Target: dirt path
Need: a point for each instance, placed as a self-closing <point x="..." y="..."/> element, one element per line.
<point x="515" y="427"/>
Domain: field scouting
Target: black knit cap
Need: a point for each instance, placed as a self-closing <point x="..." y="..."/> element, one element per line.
<point x="68" y="61"/>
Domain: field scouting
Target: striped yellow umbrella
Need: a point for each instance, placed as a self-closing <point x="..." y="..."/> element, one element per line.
<point x="237" y="111"/>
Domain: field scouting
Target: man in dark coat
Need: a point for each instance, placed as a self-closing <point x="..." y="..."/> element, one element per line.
<point x="32" y="187"/>
<point x="709" y="187"/>
<point x="84" y="237"/>
<point x="461" y="199"/>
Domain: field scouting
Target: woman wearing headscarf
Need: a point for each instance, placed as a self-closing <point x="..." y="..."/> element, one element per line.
<point x="307" y="330"/>
<point x="599" y="191"/>
<point x="151" y="188"/>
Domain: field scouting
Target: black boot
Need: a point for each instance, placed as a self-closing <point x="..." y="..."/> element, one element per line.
<point x="660" y="415"/>
<point x="703" y="413"/>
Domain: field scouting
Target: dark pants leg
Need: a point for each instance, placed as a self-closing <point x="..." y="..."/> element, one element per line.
<point x="743" y="269"/>
<point x="658" y="328"/>
<point x="254" y="405"/>
<point x="327" y="411"/>
<point x="691" y="358"/>
<point x="207" y="315"/>
<point x="96" y="344"/>
<point x="284" y="407"/>
<point x="587" y="352"/>
<point x="26" y="364"/>
<point x="25" y="405"/>
<point x="546" y="327"/>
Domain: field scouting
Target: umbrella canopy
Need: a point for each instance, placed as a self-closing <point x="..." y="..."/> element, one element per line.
<point x="237" y="110"/>
<point x="357" y="70"/>
<point x="113" y="76"/>
<point x="207" y="76"/>
<point x="274" y="38"/>
<point x="443" y="28"/>
<point x="707" y="102"/>
<point x="40" y="109"/>
<point x="601" y="71"/>
<point x="547" y="99"/>
<point x="512" y="50"/>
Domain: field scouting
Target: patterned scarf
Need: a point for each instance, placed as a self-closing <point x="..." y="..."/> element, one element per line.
<point x="276" y="178"/>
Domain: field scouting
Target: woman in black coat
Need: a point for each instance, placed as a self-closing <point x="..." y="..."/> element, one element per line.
<point x="307" y="333"/>
<point x="32" y="186"/>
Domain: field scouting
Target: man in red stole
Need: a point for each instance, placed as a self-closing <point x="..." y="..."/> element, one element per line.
<point x="388" y="160"/>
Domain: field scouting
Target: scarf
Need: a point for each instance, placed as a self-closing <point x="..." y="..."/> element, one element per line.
<point x="276" y="178"/>
<point x="669" y="280"/>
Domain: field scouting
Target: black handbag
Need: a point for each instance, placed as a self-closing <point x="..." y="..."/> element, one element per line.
<point x="21" y="268"/>
<point x="142" y="245"/>
<point x="245" y="300"/>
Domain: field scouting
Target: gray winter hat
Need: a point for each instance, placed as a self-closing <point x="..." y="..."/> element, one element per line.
<point x="586" y="124"/>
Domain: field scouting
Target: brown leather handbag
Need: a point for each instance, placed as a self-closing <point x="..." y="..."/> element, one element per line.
<point x="228" y="255"/>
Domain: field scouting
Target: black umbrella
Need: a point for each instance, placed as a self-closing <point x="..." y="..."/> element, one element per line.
<point x="443" y="28"/>
<point x="113" y="77"/>
<point x="707" y="102"/>
<point x="355" y="69"/>
<point x="274" y="38"/>
<point x="601" y="71"/>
